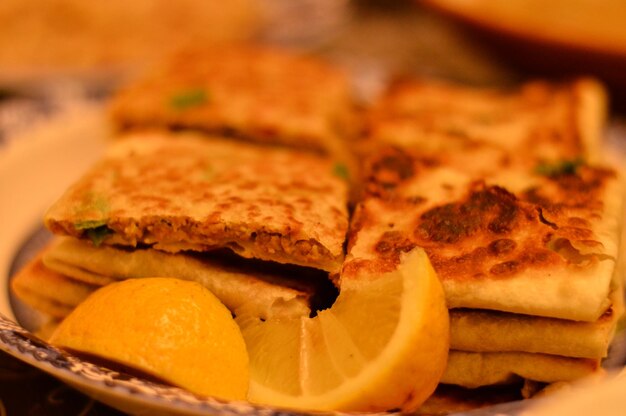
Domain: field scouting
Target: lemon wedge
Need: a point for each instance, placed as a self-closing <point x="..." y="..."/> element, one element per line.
<point x="173" y="329"/>
<point x="382" y="345"/>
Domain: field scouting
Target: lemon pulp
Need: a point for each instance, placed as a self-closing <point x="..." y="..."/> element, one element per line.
<point x="382" y="345"/>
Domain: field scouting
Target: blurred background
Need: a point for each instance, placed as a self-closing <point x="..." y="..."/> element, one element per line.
<point x="55" y="50"/>
<point x="55" y="54"/>
<point x="44" y="42"/>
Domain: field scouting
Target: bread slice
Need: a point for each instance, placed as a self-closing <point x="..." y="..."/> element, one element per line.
<point x="536" y="121"/>
<point x="491" y="331"/>
<point x="517" y="240"/>
<point x="185" y="192"/>
<point x="476" y="369"/>
<point x="261" y="290"/>
<point x="47" y="291"/>
<point x="248" y="92"/>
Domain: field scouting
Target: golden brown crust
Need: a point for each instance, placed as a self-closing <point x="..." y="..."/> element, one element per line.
<point x="476" y="233"/>
<point x="184" y="192"/>
<point x="484" y="226"/>
<point x="251" y="92"/>
<point x="505" y="204"/>
<point x="538" y="120"/>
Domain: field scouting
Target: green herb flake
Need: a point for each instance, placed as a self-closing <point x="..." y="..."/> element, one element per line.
<point x="189" y="98"/>
<point x="89" y="224"/>
<point x="564" y="167"/>
<point x="98" y="234"/>
<point x="340" y="170"/>
<point x="91" y="205"/>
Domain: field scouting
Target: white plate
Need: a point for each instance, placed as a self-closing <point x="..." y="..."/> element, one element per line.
<point x="35" y="170"/>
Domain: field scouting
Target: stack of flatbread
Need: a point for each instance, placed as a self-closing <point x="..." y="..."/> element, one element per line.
<point x="157" y="203"/>
<point x="255" y="173"/>
<point x="500" y="187"/>
<point x="522" y="227"/>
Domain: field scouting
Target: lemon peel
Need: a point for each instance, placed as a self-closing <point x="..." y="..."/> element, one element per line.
<point x="173" y="329"/>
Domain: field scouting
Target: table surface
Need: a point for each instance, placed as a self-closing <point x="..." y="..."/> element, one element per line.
<point x="373" y="39"/>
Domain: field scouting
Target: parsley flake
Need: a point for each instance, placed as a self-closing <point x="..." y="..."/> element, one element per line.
<point x="340" y="170"/>
<point x="189" y="98"/>
<point x="98" y="234"/>
<point x="85" y="225"/>
<point x="563" y="167"/>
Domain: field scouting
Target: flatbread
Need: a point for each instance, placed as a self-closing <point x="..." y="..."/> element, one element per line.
<point x="477" y="369"/>
<point x="516" y="240"/>
<point x="429" y="145"/>
<point x="49" y="292"/>
<point x="178" y="192"/>
<point x="251" y="287"/>
<point x="251" y="92"/>
<point x="491" y="331"/>
<point x="537" y="120"/>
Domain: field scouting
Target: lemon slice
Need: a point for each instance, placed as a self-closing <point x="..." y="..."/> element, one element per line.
<point x="382" y="345"/>
<point x="173" y="329"/>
